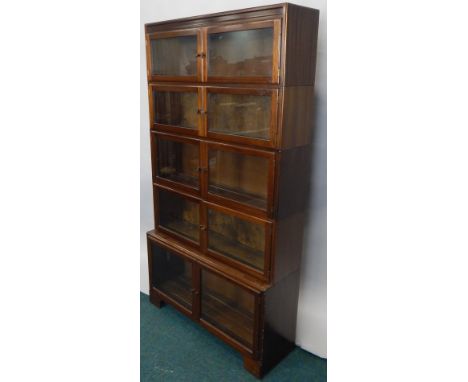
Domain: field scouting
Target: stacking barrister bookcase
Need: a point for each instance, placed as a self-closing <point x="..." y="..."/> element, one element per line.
<point x="231" y="98"/>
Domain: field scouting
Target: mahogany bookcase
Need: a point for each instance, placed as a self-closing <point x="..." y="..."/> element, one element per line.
<point x="231" y="117"/>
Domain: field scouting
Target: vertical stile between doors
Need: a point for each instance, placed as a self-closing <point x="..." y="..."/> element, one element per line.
<point x="204" y="52"/>
<point x="204" y="169"/>
<point x="196" y="291"/>
<point x="201" y="116"/>
<point x="204" y="112"/>
<point x="203" y="227"/>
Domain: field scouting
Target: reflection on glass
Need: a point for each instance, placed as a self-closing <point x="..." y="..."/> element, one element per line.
<point x="237" y="238"/>
<point x="174" y="56"/>
<point x="179" y="215"/>
<point x="241" y="53"/>
<point x="172" y="275"/>
<point x="176" y="108"/>
<point x="240" y="177"/>
<point x="239" y="114"/>
<point x="178" y="161"/>
<point x="228" y="307"/>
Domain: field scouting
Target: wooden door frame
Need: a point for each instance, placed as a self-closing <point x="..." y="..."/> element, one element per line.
<point x="161" y="296"/>
<point x="274" y="23"/>
<point x="175" y="33"/>
<point x="273" y="128"/>
<point x="171" y="183"/>
<point x="254" y="352"/>
<point x="230" y="203"/>
<point x="188" y="242"/>
<point x="175" y="89"/>
<point x="268" y="226"/>
<point x="196" y="301"/>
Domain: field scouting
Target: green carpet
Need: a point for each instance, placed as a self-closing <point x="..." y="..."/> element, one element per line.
<point x="174" y="348"/>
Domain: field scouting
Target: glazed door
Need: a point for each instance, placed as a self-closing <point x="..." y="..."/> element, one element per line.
<point x="238" y="239"/>
<point x="247" y="52"/>
<point x="173" y="277"/>
<point x="174" y="55"/>
<point x="228" y="309"/>
<point x="240" y="178"/>
<point x="242" y="115"/>
<point x="175" y="109"/>
<point x="178" y="215"/>
<point x="176" y="162"/>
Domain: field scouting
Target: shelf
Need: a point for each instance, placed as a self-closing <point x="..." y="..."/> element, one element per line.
<point x="234" y="322"/>
<point x="245" y="133"/>
<point x="241" y="197"/>
<point x="178" y="289"/>
<point x="234" y="249"/>
<point x="170" y="174"/>
<point x="184" y="228"/>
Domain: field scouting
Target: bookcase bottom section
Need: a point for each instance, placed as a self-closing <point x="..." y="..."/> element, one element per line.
<point x="257" y="365"/>
<point x="260" y="324"/>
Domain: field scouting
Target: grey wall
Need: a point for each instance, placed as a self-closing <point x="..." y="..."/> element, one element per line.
<point x="312" y="314"/>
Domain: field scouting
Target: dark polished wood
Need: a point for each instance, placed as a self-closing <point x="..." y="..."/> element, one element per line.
<point x="297" y="115"/>
<point x="231" y="160"/>
<point x="255" y="13"/>
<point x="292" y="199"/>
<point x="300" y="45"/>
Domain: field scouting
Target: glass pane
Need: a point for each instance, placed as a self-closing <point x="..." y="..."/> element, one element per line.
<point x="237" y="238"/>
<point x="179" y="215"/>
<point x="245" y="53"/>
<point x="176" y="108"/>
<point x="228" y="307"/>
<point x="240" y="114"/>
<point x="174" y="56"/>
<point x="172" y="275"/>
<point x="240" y="177"/>
<point x="178" y="161"/>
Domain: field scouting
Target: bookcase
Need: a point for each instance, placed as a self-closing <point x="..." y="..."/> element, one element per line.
<point x="231" y="120"/>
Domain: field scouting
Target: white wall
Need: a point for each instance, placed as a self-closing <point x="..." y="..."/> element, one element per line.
<point x="312" y="314"/>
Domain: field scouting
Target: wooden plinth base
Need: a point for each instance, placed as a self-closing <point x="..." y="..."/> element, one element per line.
<point x="253" y="366"/>
<point x="155" y="300"/>
<point x="273" y="346"/>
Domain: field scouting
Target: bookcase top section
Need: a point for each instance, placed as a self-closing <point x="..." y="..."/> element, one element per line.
<point x="268" y="11"/>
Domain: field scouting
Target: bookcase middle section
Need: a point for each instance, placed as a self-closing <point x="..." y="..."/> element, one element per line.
<point x="237" y="177"/>
<point x="245" y="115"/>
<point x="228" y="236"/>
